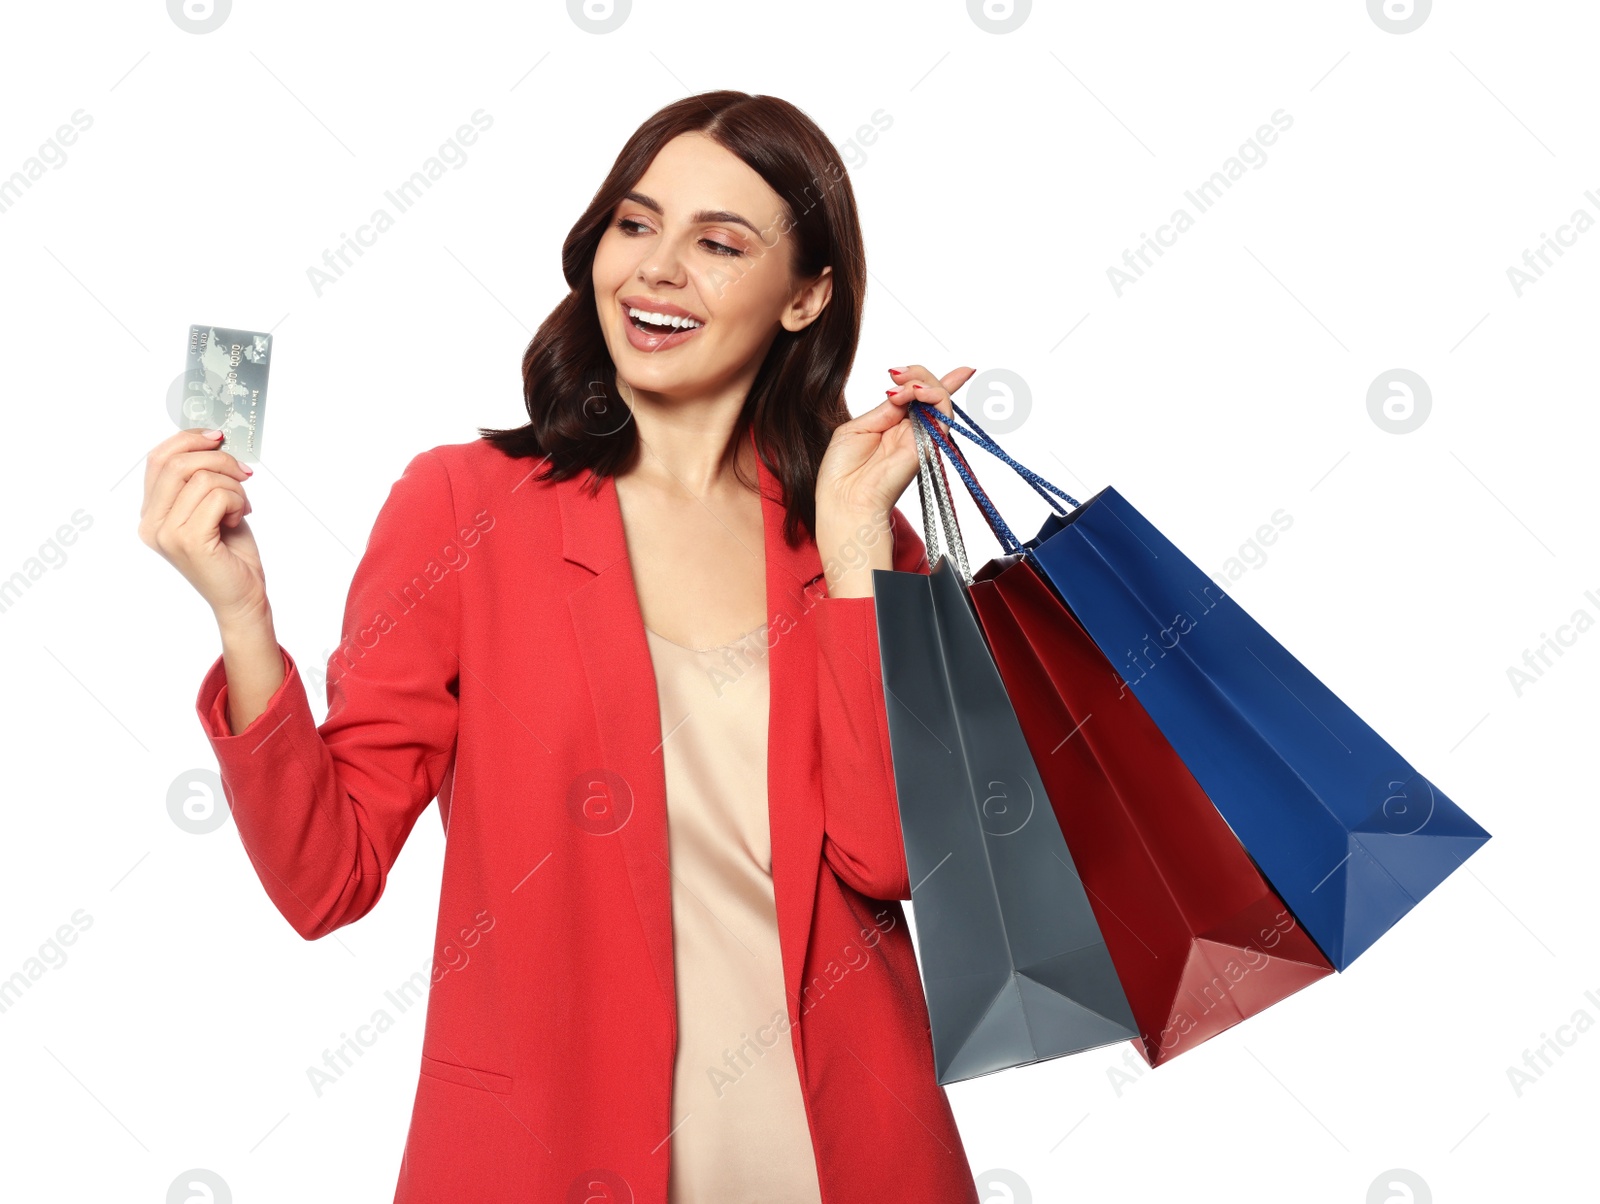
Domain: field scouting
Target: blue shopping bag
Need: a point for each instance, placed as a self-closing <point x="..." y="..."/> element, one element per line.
<point x="1347" y="831"/>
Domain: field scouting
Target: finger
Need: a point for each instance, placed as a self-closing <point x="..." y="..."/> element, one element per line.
<point x="950" y="381"/>
<point x="186" y="507"/>
<point x="956" y="377"/>
<point x="880" y="418"/>
<point x="903" y="377"/>
<point x="192" y="439"/>
<point x="935" y="395"/>
<point x="176" y="471"/>
<point x="901" y="400"/>
<point x="218" y="510"/>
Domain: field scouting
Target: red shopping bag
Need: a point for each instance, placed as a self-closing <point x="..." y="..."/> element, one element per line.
<point x="1199" y="939"/>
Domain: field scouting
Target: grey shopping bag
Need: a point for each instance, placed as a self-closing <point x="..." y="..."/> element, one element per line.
<point x="1013" y="964"/>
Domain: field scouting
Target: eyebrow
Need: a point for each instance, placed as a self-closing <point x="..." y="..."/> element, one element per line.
<point x="703" y="217"/>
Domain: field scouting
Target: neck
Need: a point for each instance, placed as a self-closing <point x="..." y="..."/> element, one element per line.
<point x="686" y="443"/>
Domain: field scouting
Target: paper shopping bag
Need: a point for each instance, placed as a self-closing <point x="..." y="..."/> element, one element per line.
<point x="1199" y="939"/>
<point x="1013" y="963"/>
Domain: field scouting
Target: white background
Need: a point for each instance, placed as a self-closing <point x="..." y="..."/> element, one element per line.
<point x="1227" y="383"/>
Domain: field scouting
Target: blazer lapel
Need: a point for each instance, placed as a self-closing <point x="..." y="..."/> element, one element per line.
<point x="621" y="677"/>
<point x="794" y="777"/>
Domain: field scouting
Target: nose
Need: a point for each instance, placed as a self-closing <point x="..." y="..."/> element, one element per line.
<point x="662" y="262"/>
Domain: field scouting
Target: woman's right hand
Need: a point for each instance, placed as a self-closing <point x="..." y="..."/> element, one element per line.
<point x="193" y="514"/>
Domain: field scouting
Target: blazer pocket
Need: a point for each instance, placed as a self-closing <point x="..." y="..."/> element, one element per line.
<point x="467" y="1076"/>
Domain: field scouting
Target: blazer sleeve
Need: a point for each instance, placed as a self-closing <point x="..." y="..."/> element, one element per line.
<point x="861" y="814"/>
<point x="323" y="811"/>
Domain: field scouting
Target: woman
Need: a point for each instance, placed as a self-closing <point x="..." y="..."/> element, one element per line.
<point x="631" y="648"/>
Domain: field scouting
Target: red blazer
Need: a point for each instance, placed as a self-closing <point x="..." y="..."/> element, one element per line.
<point x="495" y="658"/>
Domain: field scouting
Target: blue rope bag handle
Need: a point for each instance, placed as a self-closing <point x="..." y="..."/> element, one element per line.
<point x="1008" y="540"/>
<point x="996" y="524"/>
<point x="986" y="441"/>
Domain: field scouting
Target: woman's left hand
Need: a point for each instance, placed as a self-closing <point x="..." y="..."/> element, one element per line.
<point x="866" y="468"/>
<point x="873" y="458"/>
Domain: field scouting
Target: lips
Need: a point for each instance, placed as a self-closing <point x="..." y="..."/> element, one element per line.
<point x="651" y="306"/>
<point x="644" y="340"/>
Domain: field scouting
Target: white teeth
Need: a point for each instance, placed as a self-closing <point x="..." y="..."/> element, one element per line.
<point x="664" y="319"/>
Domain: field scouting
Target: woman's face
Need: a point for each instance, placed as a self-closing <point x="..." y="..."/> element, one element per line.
<point x="701" y="236"/>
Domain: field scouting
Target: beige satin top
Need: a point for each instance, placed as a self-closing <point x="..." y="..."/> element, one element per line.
<point x="739" y="1127"/>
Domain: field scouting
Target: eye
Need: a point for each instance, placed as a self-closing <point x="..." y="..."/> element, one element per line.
<point x="631" y="228"/>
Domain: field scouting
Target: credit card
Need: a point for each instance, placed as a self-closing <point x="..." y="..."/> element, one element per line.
<point x="225" y="386"/>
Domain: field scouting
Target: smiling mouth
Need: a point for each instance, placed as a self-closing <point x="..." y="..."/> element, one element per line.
<point x="652" y="328"/>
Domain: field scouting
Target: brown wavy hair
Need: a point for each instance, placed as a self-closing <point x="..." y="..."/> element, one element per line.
<point x="576" y="418"/>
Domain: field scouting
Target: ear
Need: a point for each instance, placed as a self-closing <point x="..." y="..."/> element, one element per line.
<point x="809" y="302"/>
